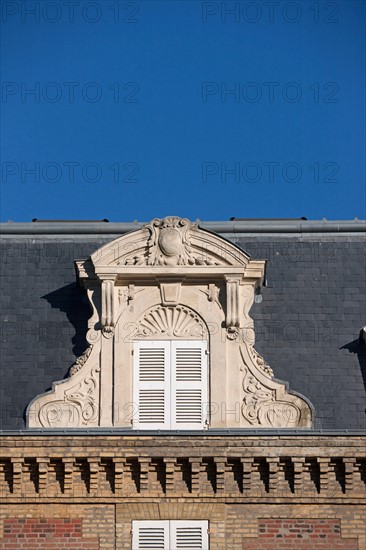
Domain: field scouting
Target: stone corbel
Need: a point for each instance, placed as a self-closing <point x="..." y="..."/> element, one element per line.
<point x="89" y="281"/>
<point x="93" y="293"/>
<point x="232" y="307"/>
<point x="107" y="317"/>
<point x="255" y="271"/>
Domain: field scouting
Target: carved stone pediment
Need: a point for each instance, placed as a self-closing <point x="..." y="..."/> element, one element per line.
<point x="170" y="280"/>
<point x="170" y="242"/>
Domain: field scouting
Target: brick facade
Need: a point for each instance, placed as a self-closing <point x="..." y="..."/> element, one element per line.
<point x="282" y="534"/>
<point x="48" y="534"/>
<point x="255" y="491"/>
<point x="91" y="526"/>
<point x="232" y="526"/>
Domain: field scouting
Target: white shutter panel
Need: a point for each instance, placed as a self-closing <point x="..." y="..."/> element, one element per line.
<point x="151" y="389"/>
<point x="150" y="535"/>
<point x="189" y="384"/>
<point x="187" y="535"/>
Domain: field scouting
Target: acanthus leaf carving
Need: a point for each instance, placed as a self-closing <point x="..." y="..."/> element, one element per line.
<point x="73" y="402"/>
<point x="79" y="406"/>
<point x="266" y="403"/>
<point x="80" y="361"/>
<point x="260" y="362"/>
<point x="84" y="396"/>
<point x="261" y="408"/>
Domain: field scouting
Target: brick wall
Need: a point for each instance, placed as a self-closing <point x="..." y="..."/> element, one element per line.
<point x="295" y="527"/>
<point x="56" y="526"/>
<point x="106" y="482"/>
<point x="232" y="526"/>
<point x="302" y="534"/>
<point x="47" y="534"/>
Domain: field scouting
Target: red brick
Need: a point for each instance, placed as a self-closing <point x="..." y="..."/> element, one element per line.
<point x="45" y="534"/>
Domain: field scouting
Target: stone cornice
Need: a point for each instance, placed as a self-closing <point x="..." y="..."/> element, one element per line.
<point x="283" y="469"/>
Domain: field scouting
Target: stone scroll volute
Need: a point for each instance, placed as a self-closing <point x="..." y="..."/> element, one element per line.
<point x="170" y="280"/>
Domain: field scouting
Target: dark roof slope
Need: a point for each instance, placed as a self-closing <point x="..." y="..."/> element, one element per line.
<point x="307" y="323"/>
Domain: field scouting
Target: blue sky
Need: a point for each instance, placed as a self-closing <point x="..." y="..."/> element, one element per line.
<point x="200" y="109"/>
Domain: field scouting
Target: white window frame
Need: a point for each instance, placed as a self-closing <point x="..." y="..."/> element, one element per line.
<point x="172" y="386"/>
<point x="169" y="529"/>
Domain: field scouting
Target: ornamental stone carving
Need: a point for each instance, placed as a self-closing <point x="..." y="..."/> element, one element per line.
<point x="169" y="244"/>
<point x="72" y="403"/>
<point x="266" y="403"/>
<point x="80" y="361"/>
<point x="170" y="279"/>
<point x="171" y="322"/>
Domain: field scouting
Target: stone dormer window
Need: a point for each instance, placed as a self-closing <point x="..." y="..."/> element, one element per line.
<point x="171" y="341"/>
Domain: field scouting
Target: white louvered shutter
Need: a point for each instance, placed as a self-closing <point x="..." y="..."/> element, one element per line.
<point x="187" y="535"/>
<point x="170" y="535"/>
<point x="151" y="389"/>
<point x="189" y="384"/>
<point x="150" y="535"/>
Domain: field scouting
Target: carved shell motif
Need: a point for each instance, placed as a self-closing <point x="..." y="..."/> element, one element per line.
<point x="177" y="321"/>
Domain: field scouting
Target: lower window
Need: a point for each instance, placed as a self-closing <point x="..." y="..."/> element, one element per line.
<point x="170" y="535"/>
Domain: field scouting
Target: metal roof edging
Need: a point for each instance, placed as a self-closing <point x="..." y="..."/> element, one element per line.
<point x="98" y="228"/>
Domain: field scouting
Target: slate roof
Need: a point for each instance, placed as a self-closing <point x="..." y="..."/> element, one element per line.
<point x="307" y="323"/>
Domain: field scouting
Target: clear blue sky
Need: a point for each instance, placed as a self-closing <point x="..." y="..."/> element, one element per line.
<point x="131" y="115"/>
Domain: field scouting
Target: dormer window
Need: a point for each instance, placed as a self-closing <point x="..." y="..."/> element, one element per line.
<point x="161" y="297"/>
